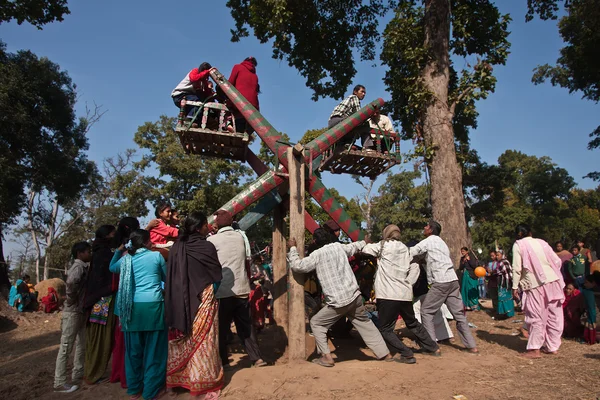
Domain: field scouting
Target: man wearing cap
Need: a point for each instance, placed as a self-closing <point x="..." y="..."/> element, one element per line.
<point x="244" y="79"/>
<point x="444" y="288"/>
<point x="234" y="289"/>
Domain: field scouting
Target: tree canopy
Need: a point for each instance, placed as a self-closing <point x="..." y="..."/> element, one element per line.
<point x="36" y="12"/>
<point x="578" y="67"/>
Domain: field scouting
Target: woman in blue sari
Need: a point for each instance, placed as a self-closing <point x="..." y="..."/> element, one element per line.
<point x="142" y="312"/>
<point x="19" y="295"/>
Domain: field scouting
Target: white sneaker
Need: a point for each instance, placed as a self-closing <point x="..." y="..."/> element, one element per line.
<point x="66" y="388"/>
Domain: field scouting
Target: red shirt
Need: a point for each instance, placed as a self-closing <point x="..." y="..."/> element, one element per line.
<point x="161" y="233"/>
<point x="244" y="78"/>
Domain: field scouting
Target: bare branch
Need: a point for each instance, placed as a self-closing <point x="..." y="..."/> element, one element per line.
<point x="93" y="116"/>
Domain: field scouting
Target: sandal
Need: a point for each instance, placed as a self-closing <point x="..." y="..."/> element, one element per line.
<point x="259" y="364"/>
<point x="322" y="363"/>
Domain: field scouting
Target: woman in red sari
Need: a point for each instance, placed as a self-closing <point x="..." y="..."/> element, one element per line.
<point x="191" y="309"/>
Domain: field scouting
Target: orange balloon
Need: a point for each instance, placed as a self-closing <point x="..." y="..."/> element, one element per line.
<point x="480" y="272"/>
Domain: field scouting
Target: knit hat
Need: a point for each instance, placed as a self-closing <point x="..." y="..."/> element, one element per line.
<point x="223" y="218"/>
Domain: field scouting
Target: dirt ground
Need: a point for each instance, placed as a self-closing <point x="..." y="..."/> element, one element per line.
<point x="29" y="344"/>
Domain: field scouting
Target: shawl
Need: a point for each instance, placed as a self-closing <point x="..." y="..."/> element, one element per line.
<point x="126" y="289"/>
<point x="390" y="232"/>
<point x="504" y="272"/>
<point x="532" y="263"/>
<point x="193" y="265"/>
<point x="99" y="283"/>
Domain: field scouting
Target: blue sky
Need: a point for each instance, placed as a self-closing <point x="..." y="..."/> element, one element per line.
<point x="129" y="55"/>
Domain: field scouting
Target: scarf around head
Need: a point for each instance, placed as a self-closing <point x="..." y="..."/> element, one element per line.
<point x="125" y="298"/>
<point x="391" y="232"/>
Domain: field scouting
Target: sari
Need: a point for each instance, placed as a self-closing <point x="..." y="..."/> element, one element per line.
<point x="505" y="304"/>
<point x="194" y="361"/>
<point x="469" y="289"/>
<point x="589" y="325"/>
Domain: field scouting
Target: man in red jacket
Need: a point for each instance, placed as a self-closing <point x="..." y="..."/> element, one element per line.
<point x="244" y="79"/>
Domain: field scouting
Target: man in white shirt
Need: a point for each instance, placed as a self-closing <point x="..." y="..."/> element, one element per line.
<point x="393" y="285"/>
<point x="234" y="289"/>
<point x="382" y="123"/>
<point x="444" y="288"/>
<point x="341" y="292"/>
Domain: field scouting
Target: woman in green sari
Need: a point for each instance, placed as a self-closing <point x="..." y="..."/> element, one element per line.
<point x="470" y="283"/>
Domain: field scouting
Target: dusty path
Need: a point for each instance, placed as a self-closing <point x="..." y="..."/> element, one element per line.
<point x="28" y="349"/>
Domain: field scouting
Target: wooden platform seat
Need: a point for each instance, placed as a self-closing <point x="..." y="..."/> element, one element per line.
<point x="362" y="162"/>
<point x="358" y="162"/>
<point x="208" y="134"/>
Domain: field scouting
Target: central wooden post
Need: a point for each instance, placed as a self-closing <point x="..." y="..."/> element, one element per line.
<point x="297" y="328"/>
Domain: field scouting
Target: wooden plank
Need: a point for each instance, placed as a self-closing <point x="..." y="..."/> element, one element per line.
<point x="297" y="325"/>
<point x="280" y="277"/>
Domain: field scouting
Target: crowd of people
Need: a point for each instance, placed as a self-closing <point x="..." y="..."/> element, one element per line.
<point x="159" y="302"/>
<point x="573" y="287"/>
<point x="164" y="320"/>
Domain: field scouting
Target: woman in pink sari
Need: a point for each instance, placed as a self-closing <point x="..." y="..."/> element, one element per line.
<point x="536" y="270"/>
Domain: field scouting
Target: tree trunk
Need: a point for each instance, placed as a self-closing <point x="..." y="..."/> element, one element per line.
<point x="4" y="280"/>
<point x="38" y="251"/>
<point x="447" y="200"/>
<point x="50" y="235"/>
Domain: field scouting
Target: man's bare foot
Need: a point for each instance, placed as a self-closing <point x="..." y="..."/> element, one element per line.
<point x="546" y="351"/>
<point x="531" y="354"/>
<point x="473" y="350"/>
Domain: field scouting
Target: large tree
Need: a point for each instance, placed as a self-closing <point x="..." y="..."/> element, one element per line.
<point x="43" y="142"/>
<point x="578" y="67"/>
<point x="434" y="103"/>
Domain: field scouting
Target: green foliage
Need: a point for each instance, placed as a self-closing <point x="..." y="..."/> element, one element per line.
<point x="36" y="12"/>
<point x="526" y="189"/>
<point x="312" y="134"/>
<point x="191" y="182"/>
<point x="402" y="203"/>
<point x="478" y="30"/>
<point x="317" y="37"/>
<point x="44" y="144"/>
<point x="578" y="67"/>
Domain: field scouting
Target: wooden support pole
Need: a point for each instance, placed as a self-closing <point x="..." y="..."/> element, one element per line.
<point x="280" y="274"/>
<point x="297" y="328"/>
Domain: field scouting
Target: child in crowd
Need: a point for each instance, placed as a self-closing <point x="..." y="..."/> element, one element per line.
<point x="576" y="267"/>
<point x="73" y="321"/>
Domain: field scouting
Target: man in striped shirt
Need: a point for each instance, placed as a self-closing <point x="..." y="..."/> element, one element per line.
<point x="346" y="108"/>
<point x="444" y="288"/>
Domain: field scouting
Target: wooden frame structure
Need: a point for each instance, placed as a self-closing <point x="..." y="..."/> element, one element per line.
<point x="295" y="173"/>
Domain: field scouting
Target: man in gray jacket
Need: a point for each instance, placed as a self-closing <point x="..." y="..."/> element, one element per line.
<point x="73" y="321"/>
<point x="234" y="289"/>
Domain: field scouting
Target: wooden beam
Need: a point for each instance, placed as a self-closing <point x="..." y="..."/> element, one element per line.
<point x="297" y="325"/>
<point x="280" y="278"/>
